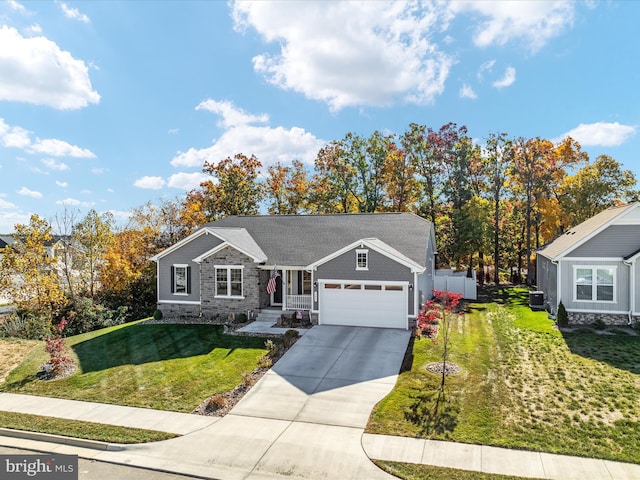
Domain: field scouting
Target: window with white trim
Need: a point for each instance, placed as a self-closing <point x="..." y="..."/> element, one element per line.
<point x="594" y="284"/>
<point x="362" y="259"/>
<point x="228" y="281"/>
<point x="180" y="281"/>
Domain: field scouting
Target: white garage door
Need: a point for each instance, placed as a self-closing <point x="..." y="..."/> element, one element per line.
<point x="363" y="304"/>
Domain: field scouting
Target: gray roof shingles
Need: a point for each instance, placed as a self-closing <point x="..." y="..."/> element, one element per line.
<point x="571" y="238"/>
<point x="299" y="240"/>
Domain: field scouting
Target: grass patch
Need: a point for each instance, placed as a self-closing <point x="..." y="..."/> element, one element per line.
<point x="412" y="471"/>
<point x="12" y="352"/>
<point x="162" y="366"/>
<point x="524" y="385"/>
<point x="79" y="429"/>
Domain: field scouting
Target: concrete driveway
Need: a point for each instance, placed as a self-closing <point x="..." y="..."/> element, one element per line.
<point x="303" y="419"/>
<point x="332" y="376"/>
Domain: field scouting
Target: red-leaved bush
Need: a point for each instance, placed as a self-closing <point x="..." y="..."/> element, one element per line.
<point x="432" y="310"/>
<point x="56" y="348"/>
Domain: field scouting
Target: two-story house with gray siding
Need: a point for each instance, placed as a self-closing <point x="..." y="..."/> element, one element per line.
<point x="594" y="268"/>
<point x="345" y="269"/>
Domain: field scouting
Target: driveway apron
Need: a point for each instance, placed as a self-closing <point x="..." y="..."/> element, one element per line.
<point x="303" y="419"/>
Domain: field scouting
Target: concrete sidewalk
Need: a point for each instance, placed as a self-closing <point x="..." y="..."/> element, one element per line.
<point x="195" y="430"/>
<point x="160" y="420"/>
<point x="504" y="461"/>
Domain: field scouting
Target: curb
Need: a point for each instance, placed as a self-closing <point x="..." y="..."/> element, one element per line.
<point x="74" y="442"/>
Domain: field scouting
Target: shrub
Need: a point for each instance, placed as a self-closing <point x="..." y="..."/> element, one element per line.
<point x="216" y="402"/>
<point x="37" y="326"/>
<point x="562" y="317"/>
<point x="247" y="380"/>
<point x="59" y="360"/>
<point x="86" y="316"/>
<point x="15" y="327"/>
<point x="157" y="315"/>
<point x="241" y="318"/>
<point x="265" y="362"/>
<point x="272" y="348"/>
<point x="599" y="324"/>
<point x="289" y="337"/>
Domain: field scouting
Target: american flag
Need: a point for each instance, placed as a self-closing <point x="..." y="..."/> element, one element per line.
<point x="271" y="285"/>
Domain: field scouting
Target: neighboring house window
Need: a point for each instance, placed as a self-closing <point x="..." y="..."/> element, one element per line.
<point x="228" y="281"/>
<point x="362" y="259"/>
<point x="595" y="284"/>
<point x="180" y="279"/>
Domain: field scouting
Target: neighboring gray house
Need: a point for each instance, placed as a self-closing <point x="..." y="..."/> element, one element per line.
<point x="345" y="269"/>
<point x="594" y="268"/>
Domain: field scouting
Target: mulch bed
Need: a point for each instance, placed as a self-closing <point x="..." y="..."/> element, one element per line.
<point x="220" y="404"/>
<point x="450" y="368"/>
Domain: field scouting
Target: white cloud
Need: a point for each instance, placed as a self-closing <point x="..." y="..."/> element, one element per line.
<point x="62" y="184"/>
<point x="18" y="137"/>
<point x="231" y="116"/>
<point x="8" y="220"/>
<point x="351" y="53"/>
<point x="467" y="92"/>
<point x="35" y="70"/>
<point x="150" y="183"/>
<point x="73" y="13"/>
<point x="53" y="165"/>
<point x="600" y="134"/>
<point x="485" y="67"/>
<point x="99" y="170"/>
<point x="507" y="80"/>
<point x="15" y="137"/>
<point x="120" y="216"/>
<point x="33" y="29"/>
<point x="187" y="181"/>
<point x="532" y="22"/>
<point x="72" y="202"/>
<point x="29" y="193"/>
<point x="268" y="144"/>
<point x="16" y="6"/>
<point x="59" y="148"/>
<point x="173" y="131"/>
<point x="5" y="204"/>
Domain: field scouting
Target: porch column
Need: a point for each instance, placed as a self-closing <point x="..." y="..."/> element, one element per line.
<point x="285" y="274"/>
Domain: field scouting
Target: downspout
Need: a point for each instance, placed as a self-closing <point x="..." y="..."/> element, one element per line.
<point x="632" y="283"/>
<point x="558" y="284"/>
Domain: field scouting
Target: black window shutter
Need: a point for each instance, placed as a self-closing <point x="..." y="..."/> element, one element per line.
<point x="188" y="280"/>
<point x="173" y="279"/>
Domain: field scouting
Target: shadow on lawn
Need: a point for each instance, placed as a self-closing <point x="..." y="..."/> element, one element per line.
<point x="434" y="412"/>
<point x="619" y="350"/>
<point x="139" y="344"/>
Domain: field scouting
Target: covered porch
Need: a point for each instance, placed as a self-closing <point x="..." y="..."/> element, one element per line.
<point x="293" y="290"/>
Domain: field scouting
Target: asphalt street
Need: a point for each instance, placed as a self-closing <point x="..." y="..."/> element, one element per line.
<point x="94" y="470"/>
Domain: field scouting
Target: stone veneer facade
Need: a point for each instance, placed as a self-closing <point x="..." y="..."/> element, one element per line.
<point x="608" y="319"/>
<point x="254" y="283"/>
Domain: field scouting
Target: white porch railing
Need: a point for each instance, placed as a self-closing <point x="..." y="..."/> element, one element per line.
<point x="298" y="302"/>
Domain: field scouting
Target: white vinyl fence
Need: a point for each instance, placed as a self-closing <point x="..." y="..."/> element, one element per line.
<point x="456" y="282"/>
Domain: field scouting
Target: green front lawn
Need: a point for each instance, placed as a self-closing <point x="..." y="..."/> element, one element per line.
<point x="163" y="366"/>
<point x="524" y="385"/>
<point x="77" y="429"/>
<point x="414" y="471"/>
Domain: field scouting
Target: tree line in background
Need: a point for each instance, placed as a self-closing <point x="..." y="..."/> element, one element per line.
<point x="491" y="205"/>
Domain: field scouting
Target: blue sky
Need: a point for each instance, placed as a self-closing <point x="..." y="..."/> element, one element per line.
<point x="108" y="105"/>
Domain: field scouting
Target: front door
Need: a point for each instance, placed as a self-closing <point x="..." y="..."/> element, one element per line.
<point x="276" y="297"/>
